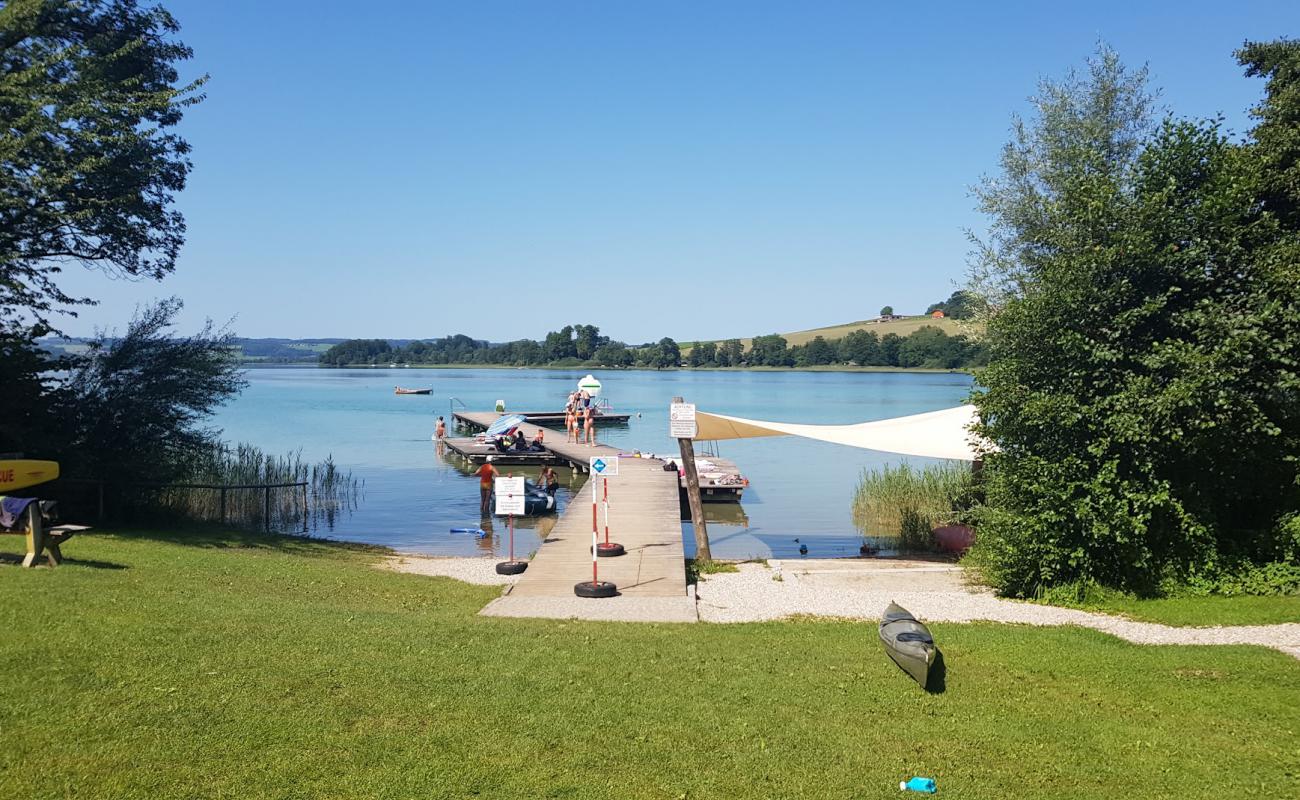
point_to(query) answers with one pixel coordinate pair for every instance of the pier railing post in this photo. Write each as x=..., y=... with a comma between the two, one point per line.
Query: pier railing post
x=702, y=551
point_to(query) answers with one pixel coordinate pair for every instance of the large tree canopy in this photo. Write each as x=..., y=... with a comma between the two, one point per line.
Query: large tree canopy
x=1143, y=388
x=88, y=166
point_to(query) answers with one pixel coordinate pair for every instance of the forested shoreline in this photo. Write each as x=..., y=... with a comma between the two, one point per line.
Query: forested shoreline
x=583, y=345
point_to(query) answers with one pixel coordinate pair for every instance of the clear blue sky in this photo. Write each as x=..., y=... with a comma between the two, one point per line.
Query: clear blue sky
x=692, y=169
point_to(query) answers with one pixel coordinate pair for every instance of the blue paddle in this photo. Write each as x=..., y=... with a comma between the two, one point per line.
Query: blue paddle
x=478, y=532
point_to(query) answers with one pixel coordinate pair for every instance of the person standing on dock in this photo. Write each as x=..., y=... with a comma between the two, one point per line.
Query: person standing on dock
x=590, y=424
x=486, y=475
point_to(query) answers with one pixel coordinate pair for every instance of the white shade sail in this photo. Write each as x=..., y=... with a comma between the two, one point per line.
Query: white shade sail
x=935, y=434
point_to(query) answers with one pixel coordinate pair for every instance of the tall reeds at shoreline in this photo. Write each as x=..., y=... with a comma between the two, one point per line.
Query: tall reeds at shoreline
x=899, y=507
x=328, y=493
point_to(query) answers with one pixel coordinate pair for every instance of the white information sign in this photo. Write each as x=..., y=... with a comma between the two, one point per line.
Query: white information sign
x=510, y=496
x=681, y=421
x=604, y=466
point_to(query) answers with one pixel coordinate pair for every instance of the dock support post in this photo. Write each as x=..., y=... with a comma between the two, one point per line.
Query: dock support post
x=702, y=551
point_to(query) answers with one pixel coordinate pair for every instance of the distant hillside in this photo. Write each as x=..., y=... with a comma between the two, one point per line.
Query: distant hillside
x=902, y=326
x=271, y=350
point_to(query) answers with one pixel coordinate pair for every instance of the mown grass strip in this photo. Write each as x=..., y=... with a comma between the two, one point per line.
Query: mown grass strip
x=215, y=665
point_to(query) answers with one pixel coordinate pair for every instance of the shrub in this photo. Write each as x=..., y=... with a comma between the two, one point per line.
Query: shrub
x=906, y=503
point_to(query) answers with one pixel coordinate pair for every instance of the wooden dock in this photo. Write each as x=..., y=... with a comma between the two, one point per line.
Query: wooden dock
x=644, y=516
x=549, y=419
x=720, y=479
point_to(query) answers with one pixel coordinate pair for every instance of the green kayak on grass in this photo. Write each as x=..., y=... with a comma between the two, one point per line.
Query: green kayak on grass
x=908, y=643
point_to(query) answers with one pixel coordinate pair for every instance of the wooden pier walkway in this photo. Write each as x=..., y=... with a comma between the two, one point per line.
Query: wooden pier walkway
x=720, y=478
x=644, y=517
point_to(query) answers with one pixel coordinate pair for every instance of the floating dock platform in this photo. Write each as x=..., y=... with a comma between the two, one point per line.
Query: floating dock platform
x=548, y=419
x=720, y=478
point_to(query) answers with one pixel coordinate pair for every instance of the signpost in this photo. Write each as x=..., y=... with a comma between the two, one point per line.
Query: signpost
x=682, y=427
x=602, y=468
x=605, y=467
x=681, y=420
x=510, y=501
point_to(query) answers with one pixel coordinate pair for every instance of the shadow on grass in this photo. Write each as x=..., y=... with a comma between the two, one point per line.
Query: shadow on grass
x=16, y=559
x=220, y=537
x=937, y=681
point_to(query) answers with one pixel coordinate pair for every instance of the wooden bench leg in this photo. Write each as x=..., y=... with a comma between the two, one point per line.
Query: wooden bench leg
x=36, y=540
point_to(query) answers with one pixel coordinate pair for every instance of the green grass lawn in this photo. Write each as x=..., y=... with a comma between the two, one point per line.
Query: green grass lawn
x=215, y=665
x=1202, y=611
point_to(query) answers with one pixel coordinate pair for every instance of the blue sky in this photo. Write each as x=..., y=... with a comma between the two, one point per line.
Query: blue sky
x=691, y=169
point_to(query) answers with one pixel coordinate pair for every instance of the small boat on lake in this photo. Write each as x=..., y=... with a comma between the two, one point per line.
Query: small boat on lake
x=400, y=390
x=908, y=643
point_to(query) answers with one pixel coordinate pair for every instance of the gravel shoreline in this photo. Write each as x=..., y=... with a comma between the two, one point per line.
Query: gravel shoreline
x=860, y=589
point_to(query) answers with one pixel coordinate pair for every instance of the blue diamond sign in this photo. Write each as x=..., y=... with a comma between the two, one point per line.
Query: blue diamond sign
x=605, y=466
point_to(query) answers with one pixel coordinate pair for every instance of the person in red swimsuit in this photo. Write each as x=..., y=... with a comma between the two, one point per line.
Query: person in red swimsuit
x=486, y=474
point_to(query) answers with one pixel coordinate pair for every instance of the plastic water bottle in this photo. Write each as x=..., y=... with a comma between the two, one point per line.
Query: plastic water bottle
x=925, y=785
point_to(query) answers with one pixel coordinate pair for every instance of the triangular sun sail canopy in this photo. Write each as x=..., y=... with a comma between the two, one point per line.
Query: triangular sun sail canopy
x=935, y=434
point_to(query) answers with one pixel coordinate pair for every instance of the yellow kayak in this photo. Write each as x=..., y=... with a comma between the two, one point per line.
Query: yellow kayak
x=23, y=473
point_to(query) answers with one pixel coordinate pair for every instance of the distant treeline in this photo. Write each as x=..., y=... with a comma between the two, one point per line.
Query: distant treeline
x=579, y=345
x=927, y=347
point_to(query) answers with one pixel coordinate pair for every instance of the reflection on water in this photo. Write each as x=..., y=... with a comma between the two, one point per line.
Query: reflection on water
x=799, y=489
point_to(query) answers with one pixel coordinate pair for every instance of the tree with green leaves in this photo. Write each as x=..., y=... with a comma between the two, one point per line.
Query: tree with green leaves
x=90, y=165
x=890, y=344
x=559, y=344
x=887, y=311
x=586, y=339
x=731, y=353
x=769, y=351
x=1143, y=388
x=134, y=406
x=89, y=162
x=959, y=305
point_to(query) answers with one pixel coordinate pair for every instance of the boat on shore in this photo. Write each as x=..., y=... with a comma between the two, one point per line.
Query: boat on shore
x=908, y=642
x=400, y=390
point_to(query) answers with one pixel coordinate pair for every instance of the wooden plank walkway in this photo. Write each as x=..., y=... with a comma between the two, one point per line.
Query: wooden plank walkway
x=720, y=478
x=644, y=517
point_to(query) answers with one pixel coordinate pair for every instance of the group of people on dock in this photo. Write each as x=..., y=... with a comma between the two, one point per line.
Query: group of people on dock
x=579, y=418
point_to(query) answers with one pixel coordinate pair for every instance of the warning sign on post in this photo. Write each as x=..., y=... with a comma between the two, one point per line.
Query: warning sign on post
x=510, y=496
x=604, y=466
x=681, y=421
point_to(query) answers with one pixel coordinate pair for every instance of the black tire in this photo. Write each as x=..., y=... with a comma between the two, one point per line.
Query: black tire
x=589, y=589
x=609, y=550
x=511, y=567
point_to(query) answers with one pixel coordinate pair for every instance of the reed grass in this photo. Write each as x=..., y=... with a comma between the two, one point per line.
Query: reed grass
x=898, y=507
x=330, y=492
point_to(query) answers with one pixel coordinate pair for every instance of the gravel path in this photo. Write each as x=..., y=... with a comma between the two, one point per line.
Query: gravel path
x=848, y=588
x=481, y=571
x=934, y=593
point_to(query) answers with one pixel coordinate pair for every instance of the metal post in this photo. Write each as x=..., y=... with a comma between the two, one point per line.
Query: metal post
x=687, y=446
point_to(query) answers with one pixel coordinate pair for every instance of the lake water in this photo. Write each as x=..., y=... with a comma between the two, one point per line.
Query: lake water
x=799, y=488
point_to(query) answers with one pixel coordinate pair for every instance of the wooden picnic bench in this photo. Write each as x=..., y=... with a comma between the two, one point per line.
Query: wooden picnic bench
x=42, y=540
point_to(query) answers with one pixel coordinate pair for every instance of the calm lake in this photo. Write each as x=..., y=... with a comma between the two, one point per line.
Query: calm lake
x=799, y=489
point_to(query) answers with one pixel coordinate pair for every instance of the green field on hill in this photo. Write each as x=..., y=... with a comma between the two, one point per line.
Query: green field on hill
x=902, y=327
x=213, y=664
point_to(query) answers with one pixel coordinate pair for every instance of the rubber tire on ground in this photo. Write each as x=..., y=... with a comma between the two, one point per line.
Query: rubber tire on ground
x=589, y=589
x=609, y=550
x=511, y=567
